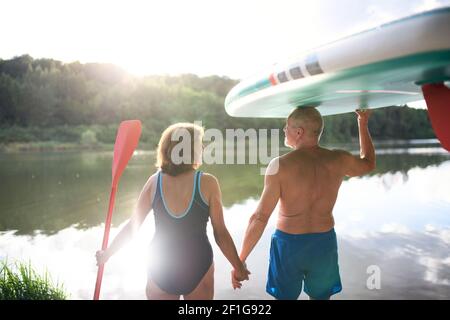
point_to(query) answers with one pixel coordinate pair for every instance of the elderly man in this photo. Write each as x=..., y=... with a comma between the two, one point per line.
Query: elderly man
x=306, y=181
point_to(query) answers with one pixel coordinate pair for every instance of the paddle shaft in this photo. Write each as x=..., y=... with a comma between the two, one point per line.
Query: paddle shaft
x=101, y=267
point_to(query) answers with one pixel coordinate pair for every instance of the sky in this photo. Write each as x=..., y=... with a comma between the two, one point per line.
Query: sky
x=231, y=38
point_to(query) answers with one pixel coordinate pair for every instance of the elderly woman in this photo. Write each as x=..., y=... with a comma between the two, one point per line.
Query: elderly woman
x=183, y=199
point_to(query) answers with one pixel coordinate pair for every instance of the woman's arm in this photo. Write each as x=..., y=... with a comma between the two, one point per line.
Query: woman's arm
x=221, y=234
x=143, y=206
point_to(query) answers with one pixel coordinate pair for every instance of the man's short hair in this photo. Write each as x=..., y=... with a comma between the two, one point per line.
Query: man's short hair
x=309, y=118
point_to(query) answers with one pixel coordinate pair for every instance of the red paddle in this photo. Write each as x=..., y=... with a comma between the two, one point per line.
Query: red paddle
x=126, y=142
x=437, y=97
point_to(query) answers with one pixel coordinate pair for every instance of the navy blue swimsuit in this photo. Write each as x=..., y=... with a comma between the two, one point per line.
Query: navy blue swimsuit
x=185, y=253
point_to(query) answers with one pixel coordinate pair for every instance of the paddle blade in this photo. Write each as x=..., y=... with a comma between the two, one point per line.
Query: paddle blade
x=437, y=97
x=127, y=140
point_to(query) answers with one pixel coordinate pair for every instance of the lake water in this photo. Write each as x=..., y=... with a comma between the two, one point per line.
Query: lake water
x=53, y=205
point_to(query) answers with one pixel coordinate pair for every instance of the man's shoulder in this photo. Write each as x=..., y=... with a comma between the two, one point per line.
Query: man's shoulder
x=283, y=160
x=295, y=155
x=287, y=160
x=339, y=152
x=288, y=156
x=325, y=154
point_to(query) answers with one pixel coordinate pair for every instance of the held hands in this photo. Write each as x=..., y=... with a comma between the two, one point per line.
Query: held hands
x=363, y=115
x=238, y=275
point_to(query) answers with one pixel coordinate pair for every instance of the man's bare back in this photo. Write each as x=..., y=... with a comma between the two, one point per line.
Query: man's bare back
x=310, y=179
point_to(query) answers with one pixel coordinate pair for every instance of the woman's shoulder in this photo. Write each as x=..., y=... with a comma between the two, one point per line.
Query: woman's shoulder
x=209, y=186
x=208, y=178
x=209, y=183
x=151, y=182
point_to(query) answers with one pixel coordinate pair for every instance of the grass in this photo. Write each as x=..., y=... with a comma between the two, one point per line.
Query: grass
x=19, y=281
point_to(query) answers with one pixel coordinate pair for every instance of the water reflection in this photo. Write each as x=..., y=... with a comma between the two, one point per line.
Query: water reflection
x=400, y=224
x=52, y=191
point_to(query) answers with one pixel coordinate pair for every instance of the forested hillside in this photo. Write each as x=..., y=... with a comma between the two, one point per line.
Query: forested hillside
x=47, y=100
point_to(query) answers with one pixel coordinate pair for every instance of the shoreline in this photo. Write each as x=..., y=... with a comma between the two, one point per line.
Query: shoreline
x=55, y=146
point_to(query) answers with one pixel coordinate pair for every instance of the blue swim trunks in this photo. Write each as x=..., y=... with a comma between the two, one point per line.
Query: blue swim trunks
x=310, y=258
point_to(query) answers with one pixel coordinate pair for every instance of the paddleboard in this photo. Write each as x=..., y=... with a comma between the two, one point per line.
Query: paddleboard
x=380, y=67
